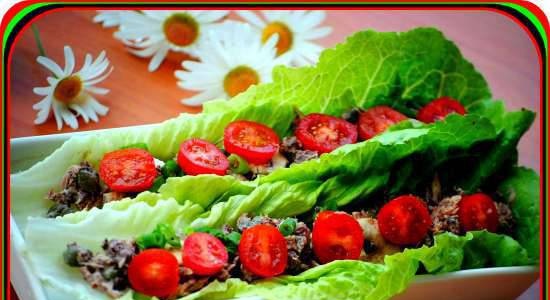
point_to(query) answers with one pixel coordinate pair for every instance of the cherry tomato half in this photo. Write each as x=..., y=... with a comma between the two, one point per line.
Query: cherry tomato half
x=405, y=220
x=263, y=250
x=376, y=120
x=324, y=133
x=204, y=254
x=154, y=272
x=252, y=141
x=336, y=235
x=128, y=170
x=198, y=156
x=477, y=212
x=439, y=108
x=324, y=214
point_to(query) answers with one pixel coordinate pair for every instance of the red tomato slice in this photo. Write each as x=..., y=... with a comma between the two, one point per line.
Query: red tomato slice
x=439, y=108
x=324, y=214
x=154, y=272
x=263, y=250
x=198, y=156
x=404, y=220
x=324, y=133
x=252, y=141
x=128, y=170
x=204, y=254
x=336, y=235
x=376, y=120
x=477, y=212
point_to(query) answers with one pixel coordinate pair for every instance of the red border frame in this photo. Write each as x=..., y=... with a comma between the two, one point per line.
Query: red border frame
x=534, y=9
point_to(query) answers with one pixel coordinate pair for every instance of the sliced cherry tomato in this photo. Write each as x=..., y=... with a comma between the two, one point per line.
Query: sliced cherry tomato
x=324, y=214
x=198, y=156
x=439, y=108
x=376, y=120
x=128, y=170
x=477, y=212
x=404, y=220
x=154, y=272
x=204, y=254
x=263, y=250
x=336, y=235
x=252, y=141
x=324, y=133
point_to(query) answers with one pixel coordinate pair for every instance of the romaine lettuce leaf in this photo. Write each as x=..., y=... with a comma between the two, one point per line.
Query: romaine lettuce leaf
x=205, y=190
x=46, y=239
x=30, y=187
x=404, y=70
x=521, y=188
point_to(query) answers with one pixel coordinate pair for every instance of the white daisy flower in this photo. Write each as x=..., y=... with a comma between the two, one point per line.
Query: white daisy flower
x=296, y=30
x=109, y=18
x=68, y=93
x=155, y=32
x=232, y=59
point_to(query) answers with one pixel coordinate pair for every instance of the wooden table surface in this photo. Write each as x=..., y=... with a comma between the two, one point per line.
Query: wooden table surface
x=497, y=46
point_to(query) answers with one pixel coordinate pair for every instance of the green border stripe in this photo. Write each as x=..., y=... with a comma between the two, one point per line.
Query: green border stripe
x=20, y=15
x=536, y=22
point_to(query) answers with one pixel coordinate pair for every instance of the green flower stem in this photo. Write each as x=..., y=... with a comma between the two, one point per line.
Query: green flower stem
x=38, y=40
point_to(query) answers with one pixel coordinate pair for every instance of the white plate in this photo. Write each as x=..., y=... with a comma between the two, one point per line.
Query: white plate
x=480, y=284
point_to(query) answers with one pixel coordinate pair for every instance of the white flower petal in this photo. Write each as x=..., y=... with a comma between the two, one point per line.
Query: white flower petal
x=87, y=63
x=80, y=112
x=43, y=91
x=275, y=15
x=96, y=90
x=211, y=16
x=203, y=97
x=99, y=108
x=158, y=58
x=109, y=18
x=98, y=79
x=251, y=17
x=52, y=81
x=69, y=60
x=50, y=65
x=44, y=110
x=57, y=114
x=312, y=19
x=94, y=70
x=68, y=117
x=89, y=110
x=147, y=52
x=317, y=33
x=42, y=103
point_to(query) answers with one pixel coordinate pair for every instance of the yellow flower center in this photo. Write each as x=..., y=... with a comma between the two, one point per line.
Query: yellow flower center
x=285, y=36
x=67, y=89
x=181, y=29
x=239, y=79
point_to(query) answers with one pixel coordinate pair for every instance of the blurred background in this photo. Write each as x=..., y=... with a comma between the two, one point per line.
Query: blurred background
x=498, y=47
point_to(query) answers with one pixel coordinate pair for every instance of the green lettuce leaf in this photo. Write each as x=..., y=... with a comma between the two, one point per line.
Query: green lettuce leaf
x=404, y=70
x=521, y=188
x=205, y=190
x=46, y=239
x=29, y=188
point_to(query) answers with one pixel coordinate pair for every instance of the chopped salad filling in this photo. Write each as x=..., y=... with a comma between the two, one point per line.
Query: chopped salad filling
x=252, y=249
x=250, y=150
